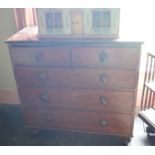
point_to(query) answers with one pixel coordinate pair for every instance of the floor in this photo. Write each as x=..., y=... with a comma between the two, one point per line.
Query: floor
x=13, y=133
x=140, y=137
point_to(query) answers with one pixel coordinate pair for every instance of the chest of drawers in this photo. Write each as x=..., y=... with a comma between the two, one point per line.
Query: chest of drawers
x=76, y=84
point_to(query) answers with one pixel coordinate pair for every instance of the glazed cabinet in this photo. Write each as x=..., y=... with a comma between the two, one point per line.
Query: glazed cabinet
x=103, y=23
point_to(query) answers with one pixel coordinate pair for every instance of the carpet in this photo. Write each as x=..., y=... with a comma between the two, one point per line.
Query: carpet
x=13, y=133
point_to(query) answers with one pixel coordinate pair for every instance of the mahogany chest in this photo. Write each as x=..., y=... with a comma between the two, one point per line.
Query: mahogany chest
x=76, y=84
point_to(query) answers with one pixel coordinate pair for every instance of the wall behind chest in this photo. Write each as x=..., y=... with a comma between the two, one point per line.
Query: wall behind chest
x=7, y=82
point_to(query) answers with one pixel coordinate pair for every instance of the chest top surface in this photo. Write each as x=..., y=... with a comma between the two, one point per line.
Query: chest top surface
x=29, y=36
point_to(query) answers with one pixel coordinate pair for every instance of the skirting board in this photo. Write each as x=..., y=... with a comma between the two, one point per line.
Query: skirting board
x=9, y=97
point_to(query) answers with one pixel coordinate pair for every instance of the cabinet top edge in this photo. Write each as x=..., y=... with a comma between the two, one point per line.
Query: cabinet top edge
x=30, y=35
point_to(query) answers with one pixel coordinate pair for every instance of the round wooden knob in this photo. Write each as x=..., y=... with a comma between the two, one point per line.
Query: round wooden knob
x=103, y=56
x=44, y=97
x=103, y=100
x=42, y=76
x=39, y=56
x=103, y=78
x=48, y=117
x=103, y=123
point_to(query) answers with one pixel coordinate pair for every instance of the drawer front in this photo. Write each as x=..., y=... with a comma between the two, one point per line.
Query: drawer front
x=40, y=56
x=106, y=57
x=79, y=120
x=77, y=98
x=100, y=78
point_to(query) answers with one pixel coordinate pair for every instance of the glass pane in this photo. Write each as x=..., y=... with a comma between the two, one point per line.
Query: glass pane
x=96, y=19
x=49, y=20
x=106, y=19
x=58, y=20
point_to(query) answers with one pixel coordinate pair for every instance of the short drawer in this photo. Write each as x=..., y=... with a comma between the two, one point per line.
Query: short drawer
x=106, y=57
x=100, y=78
x=79, y=120
x=87, y=99
x=39, y=56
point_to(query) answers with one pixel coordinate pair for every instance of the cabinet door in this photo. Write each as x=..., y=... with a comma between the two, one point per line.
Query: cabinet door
x=54, y=21
x=76, y=22
x=101, y=21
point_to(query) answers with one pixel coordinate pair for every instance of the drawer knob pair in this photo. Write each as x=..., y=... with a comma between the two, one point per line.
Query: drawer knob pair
x=103, y=56
x=39, y=56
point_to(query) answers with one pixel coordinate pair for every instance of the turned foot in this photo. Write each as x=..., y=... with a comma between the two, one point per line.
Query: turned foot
x=34, y=131
x=126, y=141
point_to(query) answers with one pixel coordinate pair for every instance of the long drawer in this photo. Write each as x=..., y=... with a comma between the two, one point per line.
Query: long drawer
x=40, y=56
x=107, y=57
x=77, y=77
x=79, y=120
x=77, y=98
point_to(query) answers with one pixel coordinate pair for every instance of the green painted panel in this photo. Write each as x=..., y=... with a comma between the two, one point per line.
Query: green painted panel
x=114, y=20
x=66, y=29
